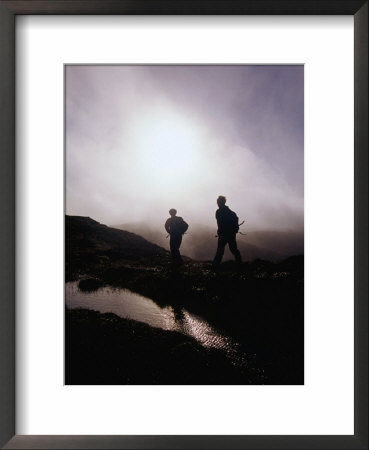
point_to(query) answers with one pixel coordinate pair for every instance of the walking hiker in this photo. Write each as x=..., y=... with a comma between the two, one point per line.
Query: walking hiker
x=228, y=227
x=175, y=227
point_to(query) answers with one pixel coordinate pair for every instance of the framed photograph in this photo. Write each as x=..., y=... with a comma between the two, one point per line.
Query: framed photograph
x=184, y=225
x=211, y=282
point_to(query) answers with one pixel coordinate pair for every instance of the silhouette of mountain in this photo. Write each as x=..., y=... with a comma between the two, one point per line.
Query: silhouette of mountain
x=287, y=243
x=88, y=242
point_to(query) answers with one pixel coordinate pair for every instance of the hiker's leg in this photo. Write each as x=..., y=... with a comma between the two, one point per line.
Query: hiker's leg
x=233, y=248
x=220, y=250
x=175, y=243
x=179, y=242
x=173, y=247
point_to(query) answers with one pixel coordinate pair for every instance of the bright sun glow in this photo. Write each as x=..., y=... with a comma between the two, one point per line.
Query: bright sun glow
x=169, y=152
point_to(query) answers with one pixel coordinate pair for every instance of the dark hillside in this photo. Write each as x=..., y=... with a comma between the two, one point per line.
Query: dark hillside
x=89, y=243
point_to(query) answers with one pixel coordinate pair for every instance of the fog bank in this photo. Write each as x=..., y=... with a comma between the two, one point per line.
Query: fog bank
x=143, y=139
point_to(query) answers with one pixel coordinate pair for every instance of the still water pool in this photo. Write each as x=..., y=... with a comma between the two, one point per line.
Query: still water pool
x=130, y=305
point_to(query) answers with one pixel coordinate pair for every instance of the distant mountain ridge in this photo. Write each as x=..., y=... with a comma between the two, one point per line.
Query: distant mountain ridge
x=200, y=242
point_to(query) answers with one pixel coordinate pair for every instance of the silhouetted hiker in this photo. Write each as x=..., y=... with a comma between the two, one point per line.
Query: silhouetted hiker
x=176, y=227
x=227, y=221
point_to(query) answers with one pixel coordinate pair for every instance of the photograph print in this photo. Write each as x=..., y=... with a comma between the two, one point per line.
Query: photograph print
x=184, y=224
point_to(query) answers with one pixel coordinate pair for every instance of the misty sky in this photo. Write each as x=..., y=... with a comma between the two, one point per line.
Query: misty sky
x=143, y=139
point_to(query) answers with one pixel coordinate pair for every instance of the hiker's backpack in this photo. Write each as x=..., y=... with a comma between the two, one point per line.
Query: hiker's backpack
x=228, y=221
x=178, y=225
x=233, y=222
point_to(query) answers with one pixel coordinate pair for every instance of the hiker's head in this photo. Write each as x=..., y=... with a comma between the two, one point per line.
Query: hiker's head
x=172, y=212
x=221, y=200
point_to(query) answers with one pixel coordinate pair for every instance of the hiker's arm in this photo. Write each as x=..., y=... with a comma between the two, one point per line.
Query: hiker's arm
x=217, y=219
x=167, y=227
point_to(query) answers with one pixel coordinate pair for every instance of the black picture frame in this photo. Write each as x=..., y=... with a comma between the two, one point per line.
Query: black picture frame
x=8, y=12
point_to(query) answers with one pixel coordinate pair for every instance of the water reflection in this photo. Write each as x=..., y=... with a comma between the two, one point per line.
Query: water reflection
x=130, y=305
x=192, y=325
x=121, y=302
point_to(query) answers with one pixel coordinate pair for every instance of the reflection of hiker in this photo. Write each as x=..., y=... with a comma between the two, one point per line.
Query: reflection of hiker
x=176, y=227
x=227, y=229
x=179, y=316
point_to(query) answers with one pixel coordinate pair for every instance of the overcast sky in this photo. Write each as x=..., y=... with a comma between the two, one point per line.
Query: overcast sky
x=143, y=139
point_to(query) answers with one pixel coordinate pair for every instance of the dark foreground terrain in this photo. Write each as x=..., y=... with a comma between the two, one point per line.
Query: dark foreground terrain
x=259, y=304
x=106, y=349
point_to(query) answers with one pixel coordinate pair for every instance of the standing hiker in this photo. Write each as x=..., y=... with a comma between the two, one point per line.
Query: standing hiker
x=228, y=227
x=175, y=227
